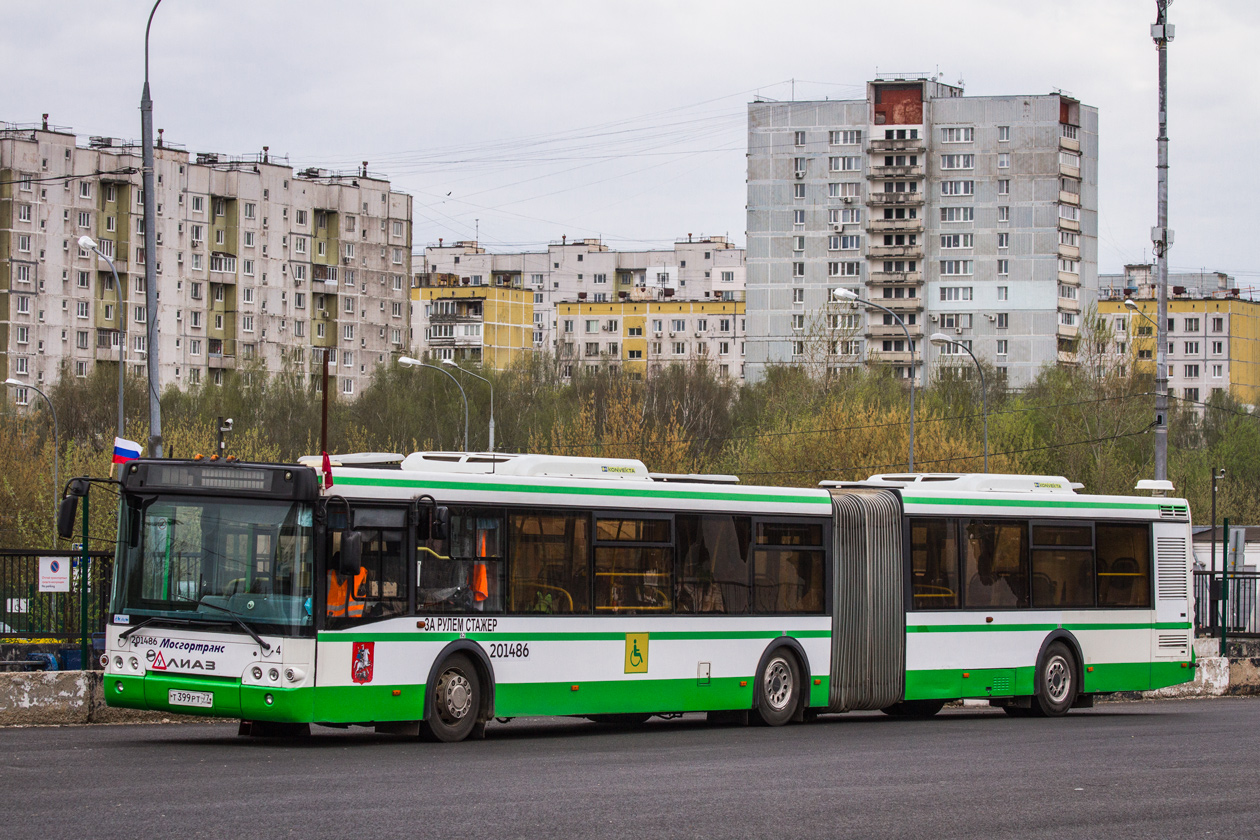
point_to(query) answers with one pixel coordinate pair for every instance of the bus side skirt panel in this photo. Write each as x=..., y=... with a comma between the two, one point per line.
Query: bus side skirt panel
x=868, y=648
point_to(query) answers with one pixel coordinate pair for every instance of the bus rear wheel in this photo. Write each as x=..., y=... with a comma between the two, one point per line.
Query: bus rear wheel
x=778, y=689
x=455, y=701
x=917, y=709
x=1056, y=682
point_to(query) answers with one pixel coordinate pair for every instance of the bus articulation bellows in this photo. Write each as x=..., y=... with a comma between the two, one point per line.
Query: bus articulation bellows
x=432, y=593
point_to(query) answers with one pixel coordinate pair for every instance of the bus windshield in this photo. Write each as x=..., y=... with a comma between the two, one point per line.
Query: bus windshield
x=210, y=559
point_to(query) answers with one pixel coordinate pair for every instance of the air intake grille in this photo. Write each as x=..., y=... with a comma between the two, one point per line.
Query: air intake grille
x=1171, y=567
x=1172, y=641
x=1174, y=512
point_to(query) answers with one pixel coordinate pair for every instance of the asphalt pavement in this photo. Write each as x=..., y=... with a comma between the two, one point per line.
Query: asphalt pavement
x=1120, y=770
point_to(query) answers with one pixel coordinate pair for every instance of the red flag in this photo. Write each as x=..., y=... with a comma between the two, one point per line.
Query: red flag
x=328, y=482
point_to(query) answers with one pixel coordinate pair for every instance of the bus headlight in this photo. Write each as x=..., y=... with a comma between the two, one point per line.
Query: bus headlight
x=135, y=664
x=294, y=674
x=118, y=662
x=257, y=673
x=273, y=675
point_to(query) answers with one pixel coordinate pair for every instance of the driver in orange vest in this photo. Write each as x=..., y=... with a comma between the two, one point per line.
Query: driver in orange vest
x=346, y=598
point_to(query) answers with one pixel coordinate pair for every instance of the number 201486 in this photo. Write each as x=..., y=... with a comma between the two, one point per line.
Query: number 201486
x=500, y=650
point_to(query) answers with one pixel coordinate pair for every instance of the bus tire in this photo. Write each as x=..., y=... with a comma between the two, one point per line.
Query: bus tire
x=455, y=702
x=914, y=709
x=1057, y=687
x=779, y=688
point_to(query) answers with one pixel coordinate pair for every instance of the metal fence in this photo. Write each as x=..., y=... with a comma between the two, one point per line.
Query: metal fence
x=27, y=613
x=1242, y=612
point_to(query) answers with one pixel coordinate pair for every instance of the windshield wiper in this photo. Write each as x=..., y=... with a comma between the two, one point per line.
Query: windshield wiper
x=202, y=602
x=133, y=628
x=253, y=635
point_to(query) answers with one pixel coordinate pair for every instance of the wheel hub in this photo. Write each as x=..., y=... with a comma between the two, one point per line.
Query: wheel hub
x=456, y=694
x=778, y=685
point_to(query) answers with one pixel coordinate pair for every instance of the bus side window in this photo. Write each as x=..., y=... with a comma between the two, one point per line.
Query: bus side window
x=1124, y=565
x=634, y=566
x=712, y=564
x=788, y=574
x=934, y=564
x=996, y=563
x=1062, y=565
x=464, y=573
x=550, y=567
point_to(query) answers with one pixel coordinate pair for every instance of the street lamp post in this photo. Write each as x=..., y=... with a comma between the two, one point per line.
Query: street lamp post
x=410, y=362
x=941, y=340
x=488, y=382
x=13, y=383
x=90, y=244
x=845, y=294
x=1161, y=33
x=150, y=251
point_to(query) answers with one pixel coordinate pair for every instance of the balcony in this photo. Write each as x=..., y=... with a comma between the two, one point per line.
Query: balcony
x=894, y=225
x=898, y=278
x=222, y=362
x=1069, y=252
x=1070, y=144
x=895, y=199
x=900, y=305
x=1069, y=198
x=876, y=173
x=1070, y=171
x=875, y=252
x=890, y=357
x=1069, y=224
x=1069, y=305
x=1067, y=332
x=916, y=145
x=893, y=331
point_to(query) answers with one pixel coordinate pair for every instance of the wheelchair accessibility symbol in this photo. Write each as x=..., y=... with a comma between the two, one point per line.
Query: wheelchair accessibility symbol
x=636, y=653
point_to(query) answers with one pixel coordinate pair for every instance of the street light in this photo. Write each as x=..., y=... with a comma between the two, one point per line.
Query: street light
x=89, y=244
x=1131, y=305
x=13, y=383
x=488, y=382
x=941, y=340
x=410, y=362
x=845, y=294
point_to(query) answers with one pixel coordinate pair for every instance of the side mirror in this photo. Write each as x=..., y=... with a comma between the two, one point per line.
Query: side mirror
x=351, y=559
x=440, y=529
x=65, y=517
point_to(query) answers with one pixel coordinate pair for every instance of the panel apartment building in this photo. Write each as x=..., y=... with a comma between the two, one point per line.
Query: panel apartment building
x=256, y=264
x=582, y=275
x=975, y=216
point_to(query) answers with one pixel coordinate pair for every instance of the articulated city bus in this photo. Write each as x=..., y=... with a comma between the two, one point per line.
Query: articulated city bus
x=429, y=594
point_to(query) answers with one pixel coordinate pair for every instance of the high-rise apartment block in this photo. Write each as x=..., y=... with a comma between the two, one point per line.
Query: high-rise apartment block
x=585, y=273
x=975, y=216
x=256, y=263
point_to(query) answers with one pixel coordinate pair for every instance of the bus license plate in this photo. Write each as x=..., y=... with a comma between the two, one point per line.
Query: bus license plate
x=204, y=699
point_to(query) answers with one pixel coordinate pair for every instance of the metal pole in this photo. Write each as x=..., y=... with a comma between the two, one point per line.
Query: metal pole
x=461, y=393
x=150, y=252
x=1162, y=33
x=83, y=578
x=323, y=422
x=910, y=347
x=491, y=384
x=1224, y=585
x=1212, y=588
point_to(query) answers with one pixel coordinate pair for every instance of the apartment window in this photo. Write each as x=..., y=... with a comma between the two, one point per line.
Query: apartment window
x=958, y=161
x=1004, y=134
x=1004, y=268
x=299, y=244
x=1069, y=159
x=798, y=217
x=1004, y=240
x=1068, y=292
x=23, y=305
x=728, y=277
x=1004, y=160
x=1070, y=266
x=1218, y=371
x=845, y=190
x=1218, y=324
x=955, y=293
x=1004, y=186
x=194, y=347
x=678, y=325
x=81, y=309
x=1218, y=347
x=85, y=189
x=798, y=165
x=958, y=135
x=958, y=187
x=397, y=228
x=1003, y=346
x=845, y=163
x=850, y=243
x=1003, y=321
x=798, y=296
x=800, y=138
x=398, y=257
x=1067, y=237
x=1067, y=319
x=1004, y=213
x=798, y=269
x=81, y=340
x=23, y=335
x=1191, y=348
x=951, y=267
x=1191, y=371
x=195, y=318
x=957, y=240
x=347, y=332
x=1003, y=292
x=1066, y=211
x=798, y=322
x=1192, y=324
x=958, y=214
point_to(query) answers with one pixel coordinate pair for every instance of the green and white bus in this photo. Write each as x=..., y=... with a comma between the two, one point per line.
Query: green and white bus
x=432, y=593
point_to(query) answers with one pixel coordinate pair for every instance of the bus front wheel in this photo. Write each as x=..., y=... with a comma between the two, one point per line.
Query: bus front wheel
x=455, y=701
x=1056, y=682
x=778, y=688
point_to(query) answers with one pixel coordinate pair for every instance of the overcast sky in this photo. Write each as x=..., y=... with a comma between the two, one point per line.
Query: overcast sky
x=627, y=120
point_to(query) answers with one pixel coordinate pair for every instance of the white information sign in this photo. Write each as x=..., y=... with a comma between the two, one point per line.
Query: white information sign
x=54, y=574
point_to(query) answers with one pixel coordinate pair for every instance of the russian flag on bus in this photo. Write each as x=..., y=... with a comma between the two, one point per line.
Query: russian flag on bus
x=125, y=450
